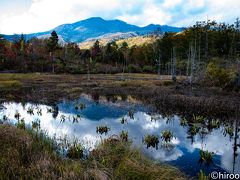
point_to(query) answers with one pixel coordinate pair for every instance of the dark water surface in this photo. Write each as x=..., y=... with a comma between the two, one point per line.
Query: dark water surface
x=182, y=151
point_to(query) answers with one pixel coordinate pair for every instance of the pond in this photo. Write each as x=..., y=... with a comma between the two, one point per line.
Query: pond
x=79, y=120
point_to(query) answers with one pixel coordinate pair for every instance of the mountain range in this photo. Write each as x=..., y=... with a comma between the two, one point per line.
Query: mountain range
x=95, y=28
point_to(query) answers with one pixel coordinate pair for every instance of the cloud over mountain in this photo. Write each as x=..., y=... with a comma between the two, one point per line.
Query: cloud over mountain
x=27, y=16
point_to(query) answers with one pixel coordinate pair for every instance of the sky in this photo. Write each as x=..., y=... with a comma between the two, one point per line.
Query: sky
x=29, y=16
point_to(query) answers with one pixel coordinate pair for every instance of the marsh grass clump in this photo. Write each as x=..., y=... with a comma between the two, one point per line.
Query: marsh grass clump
x=75, y=151
x=167, y=136
x=124, y=136
x=193, y=130
x=55, y=111
x=21, y=124
x=80, y=106
x=36, y=124
x=62, y=118
x=183, y=122
x=5, y=118
x=30, y=111
x=199, y=119
x=131, y=114
x=102, y=129
x=17, y=115
x=76, y=118
x=202, y=176
x=155, y=117
x=123, y=120
x=49, y=110
x=151, y=141
x=39, y=112
x=228, y=130
x=214, y=124
x=206, y=157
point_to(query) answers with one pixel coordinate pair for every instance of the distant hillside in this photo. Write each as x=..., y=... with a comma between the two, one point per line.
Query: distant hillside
x=96, y=27
x=134, y=40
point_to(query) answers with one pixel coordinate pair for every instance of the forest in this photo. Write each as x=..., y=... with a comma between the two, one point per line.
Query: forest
x=207, y=49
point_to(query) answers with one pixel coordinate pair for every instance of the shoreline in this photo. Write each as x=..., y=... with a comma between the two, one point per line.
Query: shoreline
x=164, y=95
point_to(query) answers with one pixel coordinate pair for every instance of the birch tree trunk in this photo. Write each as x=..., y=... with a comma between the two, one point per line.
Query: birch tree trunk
x=174, y=65
x=193, y=54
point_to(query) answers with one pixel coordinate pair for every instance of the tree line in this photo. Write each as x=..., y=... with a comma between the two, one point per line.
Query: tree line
x=191, y=52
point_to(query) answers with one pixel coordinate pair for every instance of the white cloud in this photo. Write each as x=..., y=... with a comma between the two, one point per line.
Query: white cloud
x=42, y=15
x=172, y=3
x=46, y=14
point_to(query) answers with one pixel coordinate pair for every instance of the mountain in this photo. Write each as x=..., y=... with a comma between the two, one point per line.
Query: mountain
x=95, y=27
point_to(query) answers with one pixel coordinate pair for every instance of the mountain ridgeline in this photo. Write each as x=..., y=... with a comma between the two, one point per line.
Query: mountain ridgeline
x=95, y=27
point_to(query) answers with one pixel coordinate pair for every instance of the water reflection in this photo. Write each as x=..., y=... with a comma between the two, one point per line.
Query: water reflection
x=134, y=121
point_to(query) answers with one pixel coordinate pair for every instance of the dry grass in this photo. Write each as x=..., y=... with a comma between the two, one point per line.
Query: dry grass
x=7, y=77
x=24, y=155
x=10, y=84
x=127, y=163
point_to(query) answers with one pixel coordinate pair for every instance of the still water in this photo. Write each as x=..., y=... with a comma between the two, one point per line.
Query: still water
x=67, y=120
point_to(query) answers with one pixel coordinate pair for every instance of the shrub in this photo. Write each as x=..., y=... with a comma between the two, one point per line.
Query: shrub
x=133, y=68
x=148, y=69
x=217, y=76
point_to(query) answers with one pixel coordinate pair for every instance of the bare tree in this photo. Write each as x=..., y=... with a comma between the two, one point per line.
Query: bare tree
x=188, y=62
x=174, y=64
x=159, y=65
x=157, y=58
x=206, y=43
x=193, y=57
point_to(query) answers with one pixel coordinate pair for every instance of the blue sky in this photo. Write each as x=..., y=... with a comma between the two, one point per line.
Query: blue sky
x=28, y=16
